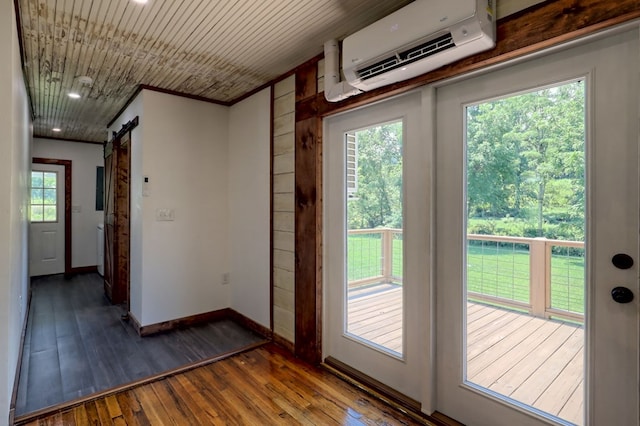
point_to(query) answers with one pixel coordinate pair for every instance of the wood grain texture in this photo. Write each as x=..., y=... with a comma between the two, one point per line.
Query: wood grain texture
x=306, y=81
x=534, y=29
x=76, y=344
x=308, y=296
x=263, y=386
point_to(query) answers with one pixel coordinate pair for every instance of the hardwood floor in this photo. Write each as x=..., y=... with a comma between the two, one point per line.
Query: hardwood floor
x=76, y=344
x=532, y=360
x=264, y=386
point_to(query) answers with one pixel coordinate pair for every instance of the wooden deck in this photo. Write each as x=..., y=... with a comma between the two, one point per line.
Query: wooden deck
x=532, y=360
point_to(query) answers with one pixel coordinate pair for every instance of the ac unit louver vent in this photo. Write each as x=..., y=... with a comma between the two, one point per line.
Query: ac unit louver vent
x=404, y=58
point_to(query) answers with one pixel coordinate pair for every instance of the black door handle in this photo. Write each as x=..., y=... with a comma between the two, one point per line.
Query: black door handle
x=622, y=295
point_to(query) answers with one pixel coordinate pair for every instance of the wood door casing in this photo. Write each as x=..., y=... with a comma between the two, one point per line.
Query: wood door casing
x=116, y=227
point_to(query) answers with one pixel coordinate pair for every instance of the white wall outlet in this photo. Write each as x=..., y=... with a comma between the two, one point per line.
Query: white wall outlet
x=226, y=277
x=163, y=215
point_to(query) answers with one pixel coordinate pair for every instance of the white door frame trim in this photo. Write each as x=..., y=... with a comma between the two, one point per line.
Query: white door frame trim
x=67, y=206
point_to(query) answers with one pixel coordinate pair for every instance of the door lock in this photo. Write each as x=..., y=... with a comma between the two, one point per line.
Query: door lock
x=622, y=295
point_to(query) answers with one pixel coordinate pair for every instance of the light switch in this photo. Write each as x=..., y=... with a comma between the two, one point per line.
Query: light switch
x=76, y=209
x=145, y=186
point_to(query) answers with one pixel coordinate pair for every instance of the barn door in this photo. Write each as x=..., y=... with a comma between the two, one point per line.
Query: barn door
x=116, y=274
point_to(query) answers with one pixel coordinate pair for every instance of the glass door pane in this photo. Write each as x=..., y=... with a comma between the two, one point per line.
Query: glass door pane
x=525, y=256
x=374, y=255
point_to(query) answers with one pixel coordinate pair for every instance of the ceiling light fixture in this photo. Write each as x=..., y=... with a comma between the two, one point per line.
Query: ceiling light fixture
x=56, y=129
x=140, y=1
x=74, y=95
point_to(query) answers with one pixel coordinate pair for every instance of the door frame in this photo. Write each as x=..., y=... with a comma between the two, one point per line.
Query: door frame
x=67, y=206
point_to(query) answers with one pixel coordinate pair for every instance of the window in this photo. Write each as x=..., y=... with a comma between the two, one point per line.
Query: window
x=44, y=196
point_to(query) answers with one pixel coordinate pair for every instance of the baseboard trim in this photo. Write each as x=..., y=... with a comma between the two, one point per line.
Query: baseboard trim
x=250, y=324
x=221, y=314
x=16, y=380
x=284, y=343
x=161, y=327
x=390, y=396
x=84, y=270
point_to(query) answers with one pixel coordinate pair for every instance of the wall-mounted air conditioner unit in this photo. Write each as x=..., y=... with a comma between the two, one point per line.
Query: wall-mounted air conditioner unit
x=418, y=38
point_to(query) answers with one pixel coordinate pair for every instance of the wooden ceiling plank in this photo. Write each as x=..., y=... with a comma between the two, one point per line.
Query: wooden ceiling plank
x=220, y=63
x=61, y=106
x=158, y=46
x=168, y=80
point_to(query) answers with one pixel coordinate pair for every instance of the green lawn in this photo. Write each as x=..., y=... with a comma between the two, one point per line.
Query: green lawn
x=491, y=269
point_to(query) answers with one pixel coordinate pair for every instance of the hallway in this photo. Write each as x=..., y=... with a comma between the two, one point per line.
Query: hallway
x=76, y=344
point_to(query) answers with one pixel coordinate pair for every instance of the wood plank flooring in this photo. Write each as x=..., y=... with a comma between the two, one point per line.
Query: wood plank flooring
x=535, y=361
x=265, y=386
x=76, y=344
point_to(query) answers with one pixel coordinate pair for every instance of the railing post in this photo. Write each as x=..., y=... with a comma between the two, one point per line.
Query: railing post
x=387, y=250
x=538, y=276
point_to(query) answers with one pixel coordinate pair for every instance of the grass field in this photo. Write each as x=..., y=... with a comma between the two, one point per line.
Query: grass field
x=492, y=269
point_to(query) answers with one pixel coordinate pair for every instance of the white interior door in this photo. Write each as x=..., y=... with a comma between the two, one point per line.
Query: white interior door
x=597, y=384
x=375, y=242
x=47, y=233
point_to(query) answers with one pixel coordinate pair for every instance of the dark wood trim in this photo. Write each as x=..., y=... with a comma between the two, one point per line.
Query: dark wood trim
x=221, y=314
x=134, y=322
x=126, y=105
x=67, y=140
x=184, y=95
x=16, y=6
x=388, y=395
x=67, y=206
x=283, y=343
x=16, y=379
x=379, y=387
x=271, y=232
x=34, y=416
x=308, y=215
x=84, y=269
x=147, y=330
x=250, y=324
x=276, y=80
x=537, y=28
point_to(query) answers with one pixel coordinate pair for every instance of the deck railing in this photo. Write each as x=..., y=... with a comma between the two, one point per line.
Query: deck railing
x=541, y=276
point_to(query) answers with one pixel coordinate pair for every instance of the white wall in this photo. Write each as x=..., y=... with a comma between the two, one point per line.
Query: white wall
x=182, y=149
x=249, y=222
x=84, y=160
x=14, y=179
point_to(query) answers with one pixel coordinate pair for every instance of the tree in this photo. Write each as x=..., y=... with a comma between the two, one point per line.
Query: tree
x=378, y=201
x=520, y=147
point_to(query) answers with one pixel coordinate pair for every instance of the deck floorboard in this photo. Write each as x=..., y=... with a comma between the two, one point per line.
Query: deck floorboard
x=536, y=361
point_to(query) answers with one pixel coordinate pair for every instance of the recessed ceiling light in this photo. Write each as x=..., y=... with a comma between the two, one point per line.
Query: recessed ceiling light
x=56, y=129
x=73, y=95
x=140, y=1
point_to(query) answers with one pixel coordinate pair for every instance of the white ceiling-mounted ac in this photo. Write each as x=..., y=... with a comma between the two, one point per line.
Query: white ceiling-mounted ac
x=418, y=38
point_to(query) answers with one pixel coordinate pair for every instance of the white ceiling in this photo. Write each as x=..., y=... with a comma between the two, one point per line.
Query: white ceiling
x=219, y=50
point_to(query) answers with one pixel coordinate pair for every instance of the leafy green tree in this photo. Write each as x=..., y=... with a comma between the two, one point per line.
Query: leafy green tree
x=378, y=200
x=518, y=150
